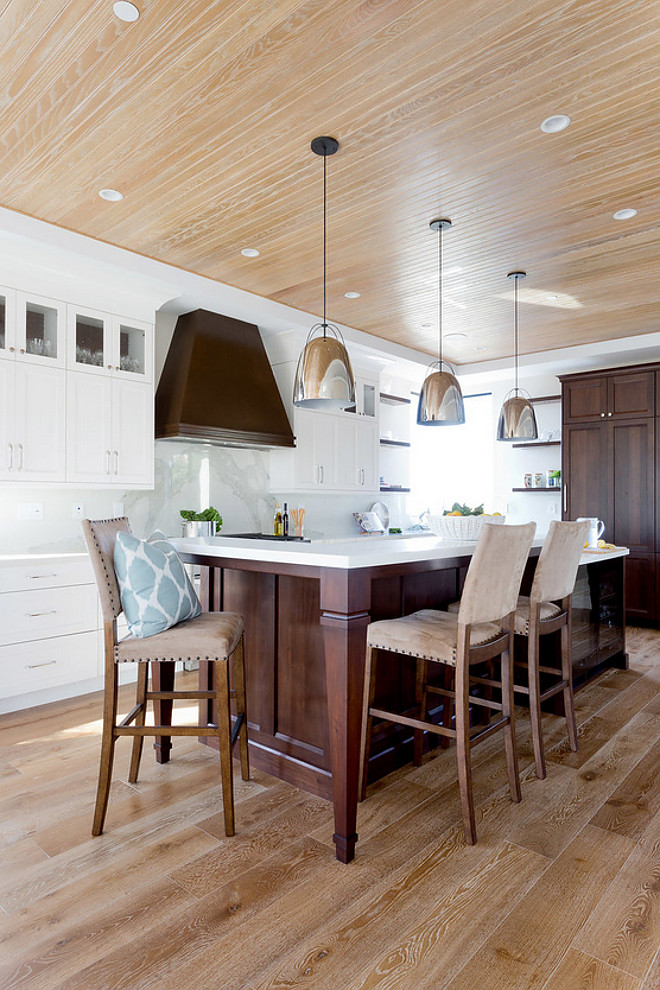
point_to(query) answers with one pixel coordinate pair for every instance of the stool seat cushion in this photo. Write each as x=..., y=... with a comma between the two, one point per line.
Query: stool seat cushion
x=209, y=636
x=521, y=623
x=428, y=634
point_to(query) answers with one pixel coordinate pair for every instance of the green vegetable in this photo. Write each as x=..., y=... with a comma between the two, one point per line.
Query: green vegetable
x=206, y=515
x=465, y=510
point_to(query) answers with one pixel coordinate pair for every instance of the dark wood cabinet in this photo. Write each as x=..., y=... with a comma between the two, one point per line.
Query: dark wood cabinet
x=610, y=459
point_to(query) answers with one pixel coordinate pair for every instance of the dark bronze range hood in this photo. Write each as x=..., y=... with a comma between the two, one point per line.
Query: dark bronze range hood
x=217, y=386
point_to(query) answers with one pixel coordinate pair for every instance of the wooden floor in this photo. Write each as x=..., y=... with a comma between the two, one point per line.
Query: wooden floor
x=561, y=892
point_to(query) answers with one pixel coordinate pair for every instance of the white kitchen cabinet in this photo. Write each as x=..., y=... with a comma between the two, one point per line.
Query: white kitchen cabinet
x=109, y=435
x=7, y=323
x=104, y=345
x=314, y=458
x=32, y=329
x=50, y=630
x=32, y=422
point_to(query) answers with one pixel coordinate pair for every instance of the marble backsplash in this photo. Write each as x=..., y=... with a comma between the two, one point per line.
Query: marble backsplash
x=187, y=476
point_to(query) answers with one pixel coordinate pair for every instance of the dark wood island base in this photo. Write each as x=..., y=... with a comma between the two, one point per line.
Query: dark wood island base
x=305, y=649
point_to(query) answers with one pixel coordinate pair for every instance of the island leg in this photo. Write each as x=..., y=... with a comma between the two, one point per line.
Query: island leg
x=344, y=641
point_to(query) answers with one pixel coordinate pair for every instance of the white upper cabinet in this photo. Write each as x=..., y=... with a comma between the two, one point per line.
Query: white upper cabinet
x=8, y=343
x=110, y=345
x=32, y=423
x=132, y=434
x=32, y=328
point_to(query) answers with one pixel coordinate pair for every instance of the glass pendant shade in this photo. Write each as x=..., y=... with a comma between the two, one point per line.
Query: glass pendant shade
x=324, y=377
x=441, y=399
x=517, y=419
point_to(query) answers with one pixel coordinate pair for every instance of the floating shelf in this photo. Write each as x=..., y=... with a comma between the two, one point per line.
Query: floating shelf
x=539, y=443
x=546, y=398
x=386, y=442
x=556, y=490
x=393, y=488
x=393, y=400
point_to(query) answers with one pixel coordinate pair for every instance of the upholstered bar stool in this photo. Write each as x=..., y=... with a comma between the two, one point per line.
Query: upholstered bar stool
x=481, y=631
x=548, y=609
x=216, y=636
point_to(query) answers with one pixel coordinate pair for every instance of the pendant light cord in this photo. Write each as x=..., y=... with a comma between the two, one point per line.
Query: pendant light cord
x=440, y=300
x=516, y=280
x=325, y=234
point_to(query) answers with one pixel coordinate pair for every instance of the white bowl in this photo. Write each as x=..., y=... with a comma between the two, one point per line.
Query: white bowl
x=463, y=528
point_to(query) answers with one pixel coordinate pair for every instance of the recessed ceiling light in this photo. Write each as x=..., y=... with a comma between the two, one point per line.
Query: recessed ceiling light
x=552, y=298
x=110, y=195
x=624, y=214
x=351, y=295
x=557, y=122
x=456, y=336
x=250, y=252
x=126, y=11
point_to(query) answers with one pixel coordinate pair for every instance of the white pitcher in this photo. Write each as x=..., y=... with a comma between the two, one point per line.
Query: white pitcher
x=596, y=529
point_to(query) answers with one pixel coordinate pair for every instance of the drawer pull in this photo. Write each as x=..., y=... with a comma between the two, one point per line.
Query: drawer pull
x=46, y=663
x=34, y=615
x=40, y=577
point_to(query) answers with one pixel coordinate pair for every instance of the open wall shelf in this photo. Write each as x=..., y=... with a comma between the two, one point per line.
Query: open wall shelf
x=538, y=443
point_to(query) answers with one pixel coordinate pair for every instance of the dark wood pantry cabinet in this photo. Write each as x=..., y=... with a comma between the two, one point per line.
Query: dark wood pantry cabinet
x=610, y=461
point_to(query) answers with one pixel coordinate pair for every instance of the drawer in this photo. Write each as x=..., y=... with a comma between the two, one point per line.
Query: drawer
x=48, y=612
x=48, y=663
x=45, y=572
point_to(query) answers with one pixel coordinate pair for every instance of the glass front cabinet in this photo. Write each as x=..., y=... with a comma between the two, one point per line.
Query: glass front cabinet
x=105, y=344
x=32, y=328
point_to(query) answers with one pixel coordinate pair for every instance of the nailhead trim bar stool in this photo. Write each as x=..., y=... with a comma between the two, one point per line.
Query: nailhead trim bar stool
x=547, y=610
x=481, y=631
x=216, y=636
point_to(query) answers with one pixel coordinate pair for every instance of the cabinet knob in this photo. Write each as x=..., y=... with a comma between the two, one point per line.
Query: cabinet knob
x=109, y=367
x=21, y=350
x=602, y=415
x=609, y=414
x=11, y=349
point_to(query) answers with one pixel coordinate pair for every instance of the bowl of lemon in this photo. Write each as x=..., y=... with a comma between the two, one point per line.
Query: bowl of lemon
x=462, y=523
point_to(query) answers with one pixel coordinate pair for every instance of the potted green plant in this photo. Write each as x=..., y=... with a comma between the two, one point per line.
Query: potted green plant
x=204, y=523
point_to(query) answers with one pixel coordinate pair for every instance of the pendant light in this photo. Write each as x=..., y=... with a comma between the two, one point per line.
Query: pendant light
x=517, y=420
x=324, y=377
x=441, y=399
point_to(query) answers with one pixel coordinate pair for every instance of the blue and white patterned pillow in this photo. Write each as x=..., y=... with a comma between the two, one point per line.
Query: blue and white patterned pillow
x=155, y=590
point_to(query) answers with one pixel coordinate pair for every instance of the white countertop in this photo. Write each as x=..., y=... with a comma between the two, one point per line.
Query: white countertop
x=367, y=551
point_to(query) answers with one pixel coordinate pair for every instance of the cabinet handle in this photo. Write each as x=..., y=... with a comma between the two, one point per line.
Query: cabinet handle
x=11, y=456
x=35, y=615
x=116, y=453
x=565, y=498
x=33, y=666
x=20, y=456
x=108, y=456
x=321, y=472
x=40, y=577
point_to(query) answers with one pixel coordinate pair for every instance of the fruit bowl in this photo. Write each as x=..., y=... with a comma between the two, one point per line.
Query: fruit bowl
x=466, y=529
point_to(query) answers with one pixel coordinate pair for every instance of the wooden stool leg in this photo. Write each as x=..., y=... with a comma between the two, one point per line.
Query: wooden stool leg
x=367, y=719
x=241, y=707
x=447, y=704
x=224, y=738
x=107, y=745
x=463, y=743
x=567, y=674
x=535, y=694
x=509, y=728
x=420, y=697
x=140, y=699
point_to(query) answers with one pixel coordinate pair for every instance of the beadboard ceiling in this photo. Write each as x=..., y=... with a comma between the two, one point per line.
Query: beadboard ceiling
x=201, y=114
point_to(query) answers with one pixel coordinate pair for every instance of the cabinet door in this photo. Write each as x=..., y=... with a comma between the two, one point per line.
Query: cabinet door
x=326, y=429
x=584, y=400
x=346, y=469
x=89, y=334
x=132, y=433
x=7, y=323
x=41, y=330
x=40, y=422
x=8, y=452
x=640, y=586
x=367, y=455
x=88, y=428
x=631, y=459
x=631, y=395
x=132, y=347
x=306, y=469
x=584, y=472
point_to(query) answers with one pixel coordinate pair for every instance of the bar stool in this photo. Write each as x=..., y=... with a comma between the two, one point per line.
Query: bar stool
x=548, y=609
x=481, y=631
x=216, y=636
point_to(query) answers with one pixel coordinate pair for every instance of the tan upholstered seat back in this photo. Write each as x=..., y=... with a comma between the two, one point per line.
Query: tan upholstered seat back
x=557, y=566
x=493, y=579
x=100, y=537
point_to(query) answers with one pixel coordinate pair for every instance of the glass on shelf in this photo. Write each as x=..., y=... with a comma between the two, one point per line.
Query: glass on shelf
x=41, y=330
x=89, y=341
x=131, y=349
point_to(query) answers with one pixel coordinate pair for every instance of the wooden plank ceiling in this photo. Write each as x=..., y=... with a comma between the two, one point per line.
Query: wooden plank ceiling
x=202, y=111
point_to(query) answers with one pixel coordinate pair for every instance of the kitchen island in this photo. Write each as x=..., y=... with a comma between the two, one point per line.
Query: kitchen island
x=306, y=609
